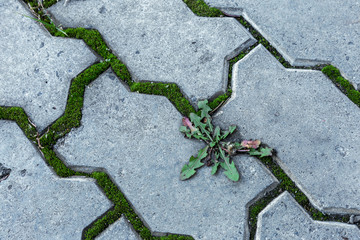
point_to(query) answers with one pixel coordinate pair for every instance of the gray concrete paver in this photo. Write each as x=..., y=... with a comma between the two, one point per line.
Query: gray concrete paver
x=34, y=202
x=285, y=219
x=136, y=139
x=307, y=32
x=120, y=230
x=311, y=124
x=35, y=68
x=163, y=41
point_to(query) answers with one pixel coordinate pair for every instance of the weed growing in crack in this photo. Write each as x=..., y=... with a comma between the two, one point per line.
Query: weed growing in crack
x=217, y=151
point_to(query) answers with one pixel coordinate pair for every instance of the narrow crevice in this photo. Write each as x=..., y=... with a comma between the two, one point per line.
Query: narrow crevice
x=286, y=184
x=72, y=117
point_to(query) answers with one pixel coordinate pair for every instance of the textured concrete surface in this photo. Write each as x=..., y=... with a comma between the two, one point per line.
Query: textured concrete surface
x=311, y=124
x=163, y=41
x=34, y=202
x=307, y=32
x=35, y=68
x=120, y=230
x=285, y=219
x=136, y=139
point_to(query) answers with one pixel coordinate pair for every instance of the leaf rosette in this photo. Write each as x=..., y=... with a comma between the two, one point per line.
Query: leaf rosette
x=217, y=152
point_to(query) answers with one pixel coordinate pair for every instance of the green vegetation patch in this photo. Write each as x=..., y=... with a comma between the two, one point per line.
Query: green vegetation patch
x=170, y=90
x=18, y=115
x=122, y=207
x=345, y=86
x=72, y=115
x=200, y=8
x=286, y=184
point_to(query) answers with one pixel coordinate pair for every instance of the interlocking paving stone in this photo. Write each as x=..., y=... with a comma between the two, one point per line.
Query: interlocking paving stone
x=136, y=139
x=311, y=124
x=307, y=32
x=285, y=219
x=34, y=202
x=120, y=230
x=163, y=41
x=35, y=68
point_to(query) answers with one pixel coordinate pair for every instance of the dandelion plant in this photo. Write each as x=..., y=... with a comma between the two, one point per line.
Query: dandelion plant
x=218, y=151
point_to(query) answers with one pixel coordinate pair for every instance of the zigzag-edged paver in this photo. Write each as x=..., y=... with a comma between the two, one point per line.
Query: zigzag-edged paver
x=136, y=139
x=311, y=124
x=35, y=68
x=307, y=32
x=163, y=41
x=120, y=230
x=285, y=219
x=34, y=202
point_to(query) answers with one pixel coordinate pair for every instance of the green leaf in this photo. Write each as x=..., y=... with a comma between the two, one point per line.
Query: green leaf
x=188, y=170
x=254, y=152
x=205, y=109
x=212, y=144
x=215, y=168
x=232, y=129
x=202, y=126
x=184, y=129
x=217, y=134
x=227, y=133
x=230, y=169
x=217, y=155
x=265, y=152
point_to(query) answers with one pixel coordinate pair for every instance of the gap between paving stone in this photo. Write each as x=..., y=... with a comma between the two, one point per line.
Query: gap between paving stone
x=192, y=52
x=33, y=178
x=329, y=41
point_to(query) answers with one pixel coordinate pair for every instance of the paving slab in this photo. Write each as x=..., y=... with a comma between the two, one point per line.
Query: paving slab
x=163, y=41
x=285, y=219
x=35, y=68
x=120, y=230
x=307, y=32
x=34, y=202
x=136, y=138
x=311, y=124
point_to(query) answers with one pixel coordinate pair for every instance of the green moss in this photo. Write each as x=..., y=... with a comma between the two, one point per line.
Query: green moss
x=58, y=166
x=263, y=41
x=122, y=207
x=345, y=86
x=220, y=99
x=200, y=8
x=170, y=90
x=18, y=115
x=72, y=115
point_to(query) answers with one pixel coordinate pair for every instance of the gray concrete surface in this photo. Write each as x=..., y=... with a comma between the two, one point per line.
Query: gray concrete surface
x=285, y=219
x=136, y=139
x=35, y=68
x=311, y=124
x=163, y=41
x=120, y=230
x=307, y=32
x=34, y=202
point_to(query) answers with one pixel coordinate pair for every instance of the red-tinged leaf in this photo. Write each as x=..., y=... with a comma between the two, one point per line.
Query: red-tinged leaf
x=188, y=124
x=251, y=144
